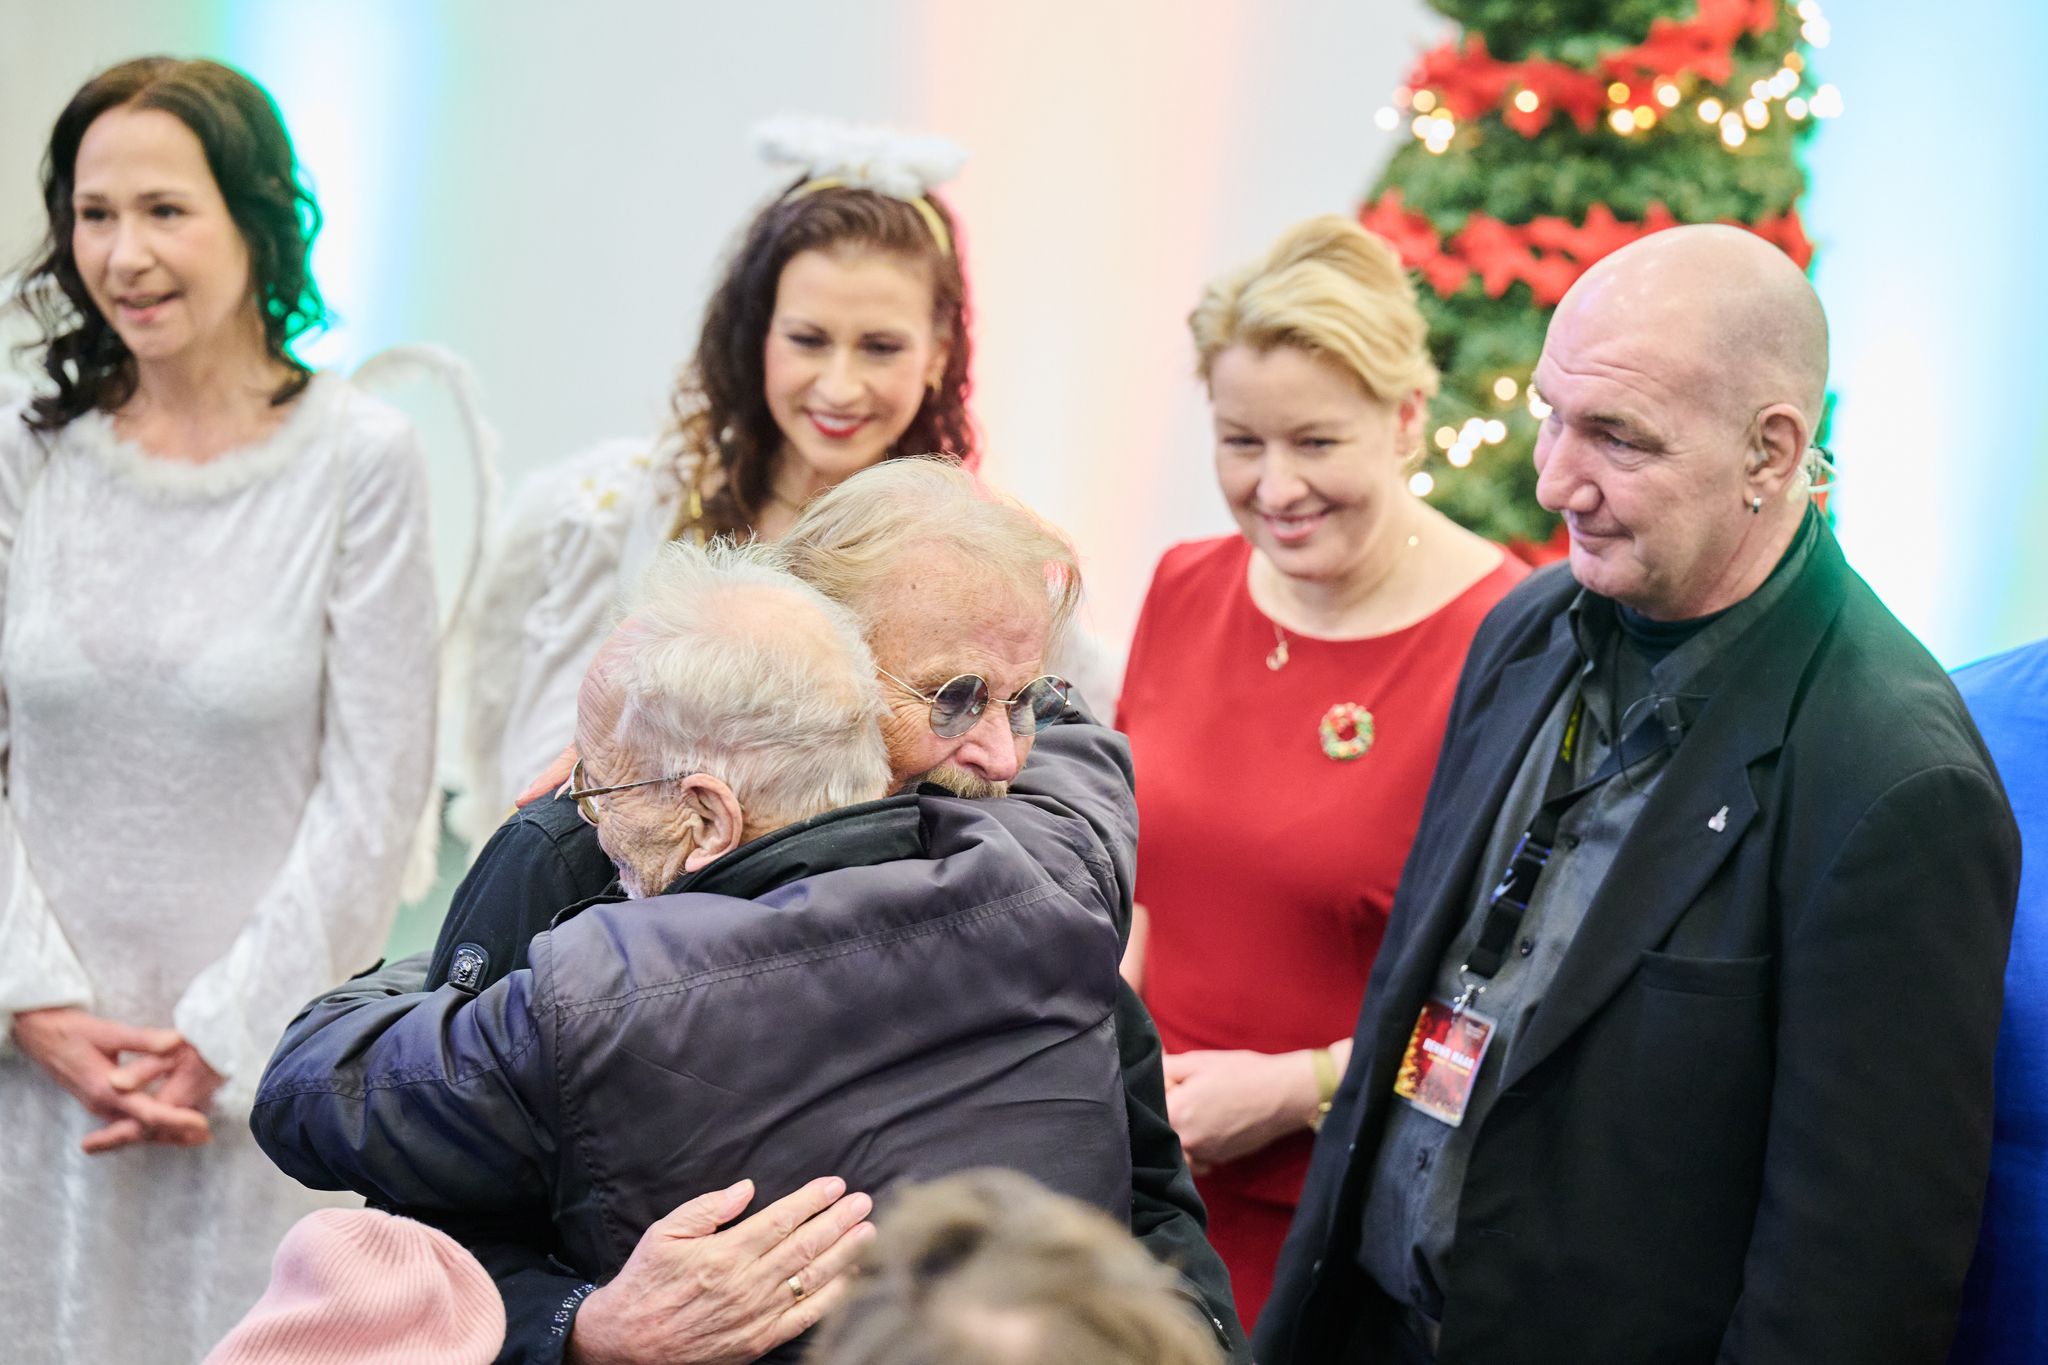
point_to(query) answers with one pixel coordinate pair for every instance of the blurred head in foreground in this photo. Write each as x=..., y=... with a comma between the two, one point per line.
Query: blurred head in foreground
x=990, y=1268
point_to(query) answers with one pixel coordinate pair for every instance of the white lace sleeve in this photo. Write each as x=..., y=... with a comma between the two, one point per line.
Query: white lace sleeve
x=328, y=909
x=489, y=656
x=544, y=606
x=38, y=968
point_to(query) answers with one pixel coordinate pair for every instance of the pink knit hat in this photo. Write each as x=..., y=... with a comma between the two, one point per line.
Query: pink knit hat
x=361, y=1287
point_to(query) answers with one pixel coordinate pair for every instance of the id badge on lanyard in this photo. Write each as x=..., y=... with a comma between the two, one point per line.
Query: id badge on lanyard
x=1443, y=1058
x=1449, y=1042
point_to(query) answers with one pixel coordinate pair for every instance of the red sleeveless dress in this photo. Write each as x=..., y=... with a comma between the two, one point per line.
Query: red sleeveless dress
x=1268, y=865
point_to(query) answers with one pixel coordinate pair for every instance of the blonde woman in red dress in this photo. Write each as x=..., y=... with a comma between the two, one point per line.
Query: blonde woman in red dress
x=1285, y=697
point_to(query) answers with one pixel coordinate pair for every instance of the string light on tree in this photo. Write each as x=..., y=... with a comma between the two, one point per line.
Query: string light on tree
x=1464, y=86
x=1436, y=131
x=1814, y=28
x=1453, y=90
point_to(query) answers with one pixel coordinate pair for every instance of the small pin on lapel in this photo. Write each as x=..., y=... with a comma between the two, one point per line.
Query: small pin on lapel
x=1718, y=821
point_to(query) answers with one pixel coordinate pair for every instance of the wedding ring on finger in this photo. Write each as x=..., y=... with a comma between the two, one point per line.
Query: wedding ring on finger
x=796, y=1286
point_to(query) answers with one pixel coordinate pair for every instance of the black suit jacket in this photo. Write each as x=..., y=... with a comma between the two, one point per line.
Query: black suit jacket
x=1750, y=1119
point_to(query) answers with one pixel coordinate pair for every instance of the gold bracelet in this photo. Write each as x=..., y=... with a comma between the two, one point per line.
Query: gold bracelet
x=1326, y=1085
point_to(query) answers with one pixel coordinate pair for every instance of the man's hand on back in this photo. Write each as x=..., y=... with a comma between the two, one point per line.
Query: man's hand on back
x=692, y=1295
x=549, y=782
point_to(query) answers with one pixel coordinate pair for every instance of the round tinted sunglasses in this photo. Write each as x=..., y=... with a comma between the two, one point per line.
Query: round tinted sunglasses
x=959, y=702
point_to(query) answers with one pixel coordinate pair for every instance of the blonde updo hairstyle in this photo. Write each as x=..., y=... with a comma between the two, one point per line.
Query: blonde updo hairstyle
x=1332, y=289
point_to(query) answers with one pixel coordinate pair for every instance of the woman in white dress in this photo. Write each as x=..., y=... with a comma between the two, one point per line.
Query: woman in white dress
x=217, y=640
x=836, y=338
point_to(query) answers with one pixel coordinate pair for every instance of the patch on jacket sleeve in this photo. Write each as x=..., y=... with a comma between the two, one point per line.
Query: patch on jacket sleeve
x=467, y=968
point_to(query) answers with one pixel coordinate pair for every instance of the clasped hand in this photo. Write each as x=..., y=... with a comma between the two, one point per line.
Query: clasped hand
x=693, y=1295
x=1226, y=1105
x=160, y=1096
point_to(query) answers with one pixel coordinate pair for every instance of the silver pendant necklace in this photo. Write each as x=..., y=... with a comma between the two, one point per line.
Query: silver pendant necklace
x=1276, y=658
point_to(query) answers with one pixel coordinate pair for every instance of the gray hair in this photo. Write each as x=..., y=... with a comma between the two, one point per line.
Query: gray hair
x=726, y=665
x=851, y=541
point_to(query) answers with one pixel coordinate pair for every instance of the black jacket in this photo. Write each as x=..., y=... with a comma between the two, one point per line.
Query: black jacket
x=1749, y=1122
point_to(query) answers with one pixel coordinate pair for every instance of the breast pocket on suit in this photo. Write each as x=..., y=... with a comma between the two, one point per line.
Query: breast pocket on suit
x=1686, y=1071
x=1724, y=976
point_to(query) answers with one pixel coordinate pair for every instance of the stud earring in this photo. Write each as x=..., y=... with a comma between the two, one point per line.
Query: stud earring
x=1756, y=506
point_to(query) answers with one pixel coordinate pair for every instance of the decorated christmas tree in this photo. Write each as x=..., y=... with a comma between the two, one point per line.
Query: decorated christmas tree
x=1548, y=134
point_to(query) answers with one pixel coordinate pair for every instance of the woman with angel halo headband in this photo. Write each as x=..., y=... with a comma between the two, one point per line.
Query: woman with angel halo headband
x=217, y=640
x=837, y=337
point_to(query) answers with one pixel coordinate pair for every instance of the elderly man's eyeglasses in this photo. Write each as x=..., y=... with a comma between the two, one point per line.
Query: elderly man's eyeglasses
x=586, y=797
x=959, y=702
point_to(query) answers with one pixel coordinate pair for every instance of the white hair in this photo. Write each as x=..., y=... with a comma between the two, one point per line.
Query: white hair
x=852, y=540
x=730, y=667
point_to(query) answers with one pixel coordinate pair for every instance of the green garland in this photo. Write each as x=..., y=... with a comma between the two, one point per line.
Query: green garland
x=1562, y=172
x=1578, y=32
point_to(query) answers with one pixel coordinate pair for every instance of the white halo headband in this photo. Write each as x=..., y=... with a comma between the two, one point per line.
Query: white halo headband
x=834, y=155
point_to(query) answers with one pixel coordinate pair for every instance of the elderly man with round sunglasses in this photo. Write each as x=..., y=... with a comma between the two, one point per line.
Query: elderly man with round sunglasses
x=961, y=596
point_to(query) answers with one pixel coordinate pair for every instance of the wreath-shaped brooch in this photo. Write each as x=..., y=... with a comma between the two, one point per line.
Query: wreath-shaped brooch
x=1345, y=731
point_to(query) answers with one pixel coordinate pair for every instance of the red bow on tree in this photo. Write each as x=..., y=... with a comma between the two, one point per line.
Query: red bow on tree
x=1469, y=83
x=1703, y=45
x=1547, y=253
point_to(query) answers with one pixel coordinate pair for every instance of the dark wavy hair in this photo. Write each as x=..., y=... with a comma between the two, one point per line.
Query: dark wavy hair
x=721, y=406
x=250, y=155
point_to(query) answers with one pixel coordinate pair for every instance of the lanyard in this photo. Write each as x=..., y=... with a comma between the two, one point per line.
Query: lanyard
x=1509, y=904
